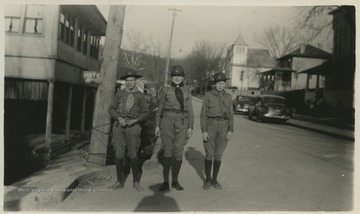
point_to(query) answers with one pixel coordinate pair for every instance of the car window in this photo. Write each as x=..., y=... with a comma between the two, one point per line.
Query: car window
x=244, y=99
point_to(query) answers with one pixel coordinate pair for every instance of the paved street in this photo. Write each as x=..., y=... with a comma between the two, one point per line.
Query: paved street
x=266, y=167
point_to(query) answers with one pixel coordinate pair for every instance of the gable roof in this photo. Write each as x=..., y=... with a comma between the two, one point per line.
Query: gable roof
x=310, y=52
x=240, y=40
x=259, y=58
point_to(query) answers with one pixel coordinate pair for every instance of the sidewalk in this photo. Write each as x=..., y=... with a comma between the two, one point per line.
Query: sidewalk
x=55, y=182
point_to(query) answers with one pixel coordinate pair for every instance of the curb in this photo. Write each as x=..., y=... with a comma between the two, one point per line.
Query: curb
x=322, y=131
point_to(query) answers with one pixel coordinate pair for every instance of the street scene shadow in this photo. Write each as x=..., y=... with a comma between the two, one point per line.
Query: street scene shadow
x=157, y=202
x=196, y=160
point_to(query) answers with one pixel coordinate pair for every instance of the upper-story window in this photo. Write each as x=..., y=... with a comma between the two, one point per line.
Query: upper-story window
x=33, y=19
x=94, y=46
x=67, y=27
x=79, y=38
x=12, y=18
x=85, y=42
x=240, y=50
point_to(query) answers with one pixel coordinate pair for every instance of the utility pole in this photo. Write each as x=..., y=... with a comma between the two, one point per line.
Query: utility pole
x=169, y=48
x=106, y=89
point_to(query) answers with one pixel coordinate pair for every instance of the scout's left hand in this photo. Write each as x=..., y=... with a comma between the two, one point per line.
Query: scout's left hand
x=189, y=133
x=131, y=122
x=228, y=136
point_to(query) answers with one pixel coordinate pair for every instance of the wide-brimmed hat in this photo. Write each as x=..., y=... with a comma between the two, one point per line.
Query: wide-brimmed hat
x=130, y=73
x=177, y=70
x=218, y=77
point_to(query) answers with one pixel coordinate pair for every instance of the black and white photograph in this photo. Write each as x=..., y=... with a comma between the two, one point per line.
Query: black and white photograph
x=178, y=106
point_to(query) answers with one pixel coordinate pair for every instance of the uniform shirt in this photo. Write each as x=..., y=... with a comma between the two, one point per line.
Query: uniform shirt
x=168, y=101
x=139, y=110
x=217, y=104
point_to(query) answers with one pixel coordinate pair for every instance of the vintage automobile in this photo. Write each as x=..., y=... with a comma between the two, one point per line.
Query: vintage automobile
x=241, y=104
x=269, y=107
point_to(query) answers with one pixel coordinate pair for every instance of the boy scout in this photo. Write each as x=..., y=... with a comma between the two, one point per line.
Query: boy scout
x=128, y=108
x=177, y=118
x=217, y=122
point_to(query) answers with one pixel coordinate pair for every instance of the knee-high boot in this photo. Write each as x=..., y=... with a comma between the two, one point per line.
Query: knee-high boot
x=166, y=170
x=119, y=163
x=215, y=174
x=175, y=184
x=208, y=165
x=135, y=171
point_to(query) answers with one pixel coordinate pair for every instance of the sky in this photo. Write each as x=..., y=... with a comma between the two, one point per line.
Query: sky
x=217, y=24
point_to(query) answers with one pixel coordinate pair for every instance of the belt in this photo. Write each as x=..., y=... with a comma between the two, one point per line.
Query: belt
x=217, y=118
x=175, y=111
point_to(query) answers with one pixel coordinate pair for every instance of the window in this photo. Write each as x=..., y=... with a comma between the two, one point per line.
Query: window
x=72, y=30
x=240, y=50
x=85, y=42
x=62, y=25
x=79, y=36
x=67, y=29
x=12, y=18
x=34, y=19
x=92, y=45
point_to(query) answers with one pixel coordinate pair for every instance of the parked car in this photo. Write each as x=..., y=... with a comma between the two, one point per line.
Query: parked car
x=269, y=107
x=241, y=104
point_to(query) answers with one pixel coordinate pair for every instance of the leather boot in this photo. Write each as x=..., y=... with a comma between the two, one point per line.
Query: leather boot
x=166, y=170
x=208, y=165
x=135, y=171
x=119, y=173
x=175, y=184
x=215, y=174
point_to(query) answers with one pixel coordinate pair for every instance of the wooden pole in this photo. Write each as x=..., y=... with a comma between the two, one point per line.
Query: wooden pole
x=82, y=126
x=49, y=115
x=105, y=91
x=68, y=114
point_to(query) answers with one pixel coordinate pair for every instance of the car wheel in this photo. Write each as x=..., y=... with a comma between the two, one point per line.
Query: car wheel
x=259, y=117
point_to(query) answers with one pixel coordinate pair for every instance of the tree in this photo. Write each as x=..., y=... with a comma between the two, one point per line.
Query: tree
x=204, y=60
x=134, y=49
x=317, y=23
x=278, y=40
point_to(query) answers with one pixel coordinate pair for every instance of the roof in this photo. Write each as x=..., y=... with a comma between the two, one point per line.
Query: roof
x=259, y=58
x=310, y=52
x=90, y=16
x=240, y=40
x=273, y=70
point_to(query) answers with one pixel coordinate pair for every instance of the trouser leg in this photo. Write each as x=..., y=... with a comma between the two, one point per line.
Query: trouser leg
x=208, y=165
x=119, y=169
x=166, y=170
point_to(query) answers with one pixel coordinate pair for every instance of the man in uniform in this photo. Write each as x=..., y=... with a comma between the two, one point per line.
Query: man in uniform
x=175, y=114
x=217, y=122
x=128, y=108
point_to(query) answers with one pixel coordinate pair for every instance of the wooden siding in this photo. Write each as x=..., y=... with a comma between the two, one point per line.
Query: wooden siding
x=20, y=44
x=70, y=55
x=29, y=68
x=25, y=90
x=67, y=73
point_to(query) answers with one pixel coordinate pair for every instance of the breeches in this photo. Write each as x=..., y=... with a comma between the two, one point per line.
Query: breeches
x=130, y=137
x=173, y=134
x=216, y=145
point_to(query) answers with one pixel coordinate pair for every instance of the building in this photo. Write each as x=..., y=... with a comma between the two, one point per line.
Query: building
x=287, y=74
x=47, y=49
x=243, y=65
x=339, y=72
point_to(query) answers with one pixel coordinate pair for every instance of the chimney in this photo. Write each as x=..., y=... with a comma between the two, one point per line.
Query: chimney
x=302, y=48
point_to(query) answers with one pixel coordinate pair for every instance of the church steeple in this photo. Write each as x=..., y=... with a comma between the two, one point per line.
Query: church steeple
x=240, y=40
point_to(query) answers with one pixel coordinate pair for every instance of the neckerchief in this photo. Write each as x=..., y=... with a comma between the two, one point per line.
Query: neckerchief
x=130, y=99
x=179, y=94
